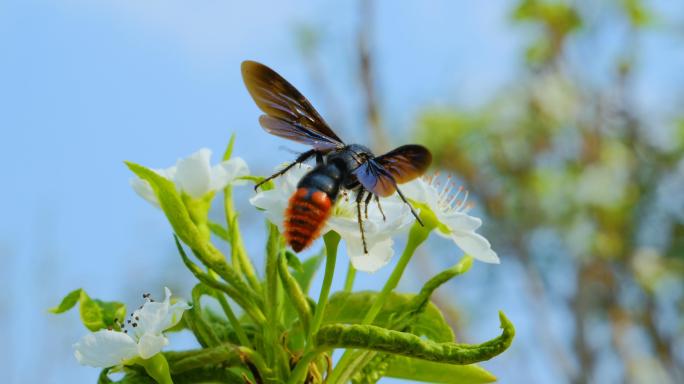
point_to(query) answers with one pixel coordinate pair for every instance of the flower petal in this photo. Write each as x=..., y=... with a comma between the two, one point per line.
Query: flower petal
x=156, y=317
x=193, y=173
x=225, y=173
x=151, y=344
x=144, y=190
x=274, y=202
x=105, y=348
x=379, y=254
x=459, y=221
x=420, y=190
x=476, y=246
x=174, y=312
x=378, y=231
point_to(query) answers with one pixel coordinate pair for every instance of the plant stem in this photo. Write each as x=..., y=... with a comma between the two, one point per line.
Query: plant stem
x=256, y=359
x=242, y=298
x=332, y=240
x=234, y=322
x=301, y=369
x=417, y=236
x=294, y=292
x=349, y=281
x=274, y=355
x=241, y=262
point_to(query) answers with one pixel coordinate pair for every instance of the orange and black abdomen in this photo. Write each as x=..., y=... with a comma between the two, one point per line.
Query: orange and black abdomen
x=307, y=212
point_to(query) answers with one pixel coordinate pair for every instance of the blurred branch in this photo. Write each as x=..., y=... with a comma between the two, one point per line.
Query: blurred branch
x=580, y=310
x=309, y=41
x=379, y=136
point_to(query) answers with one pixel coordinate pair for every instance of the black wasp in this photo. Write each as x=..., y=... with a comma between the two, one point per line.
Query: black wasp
x=339, y=166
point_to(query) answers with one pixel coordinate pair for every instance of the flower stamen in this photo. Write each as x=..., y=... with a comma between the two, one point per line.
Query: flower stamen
x=447, y=200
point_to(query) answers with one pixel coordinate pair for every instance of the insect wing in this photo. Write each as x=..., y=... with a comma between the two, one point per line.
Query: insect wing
x=375, y=179
x=282, y=128
x=382, y=174
x=406, y=162
x=288, y=113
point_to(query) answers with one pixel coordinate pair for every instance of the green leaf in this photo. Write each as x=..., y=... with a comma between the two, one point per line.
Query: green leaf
x=293, y=261
x=422, y=299
x=68, y=302
x=220, y=231
x=431, y=372
x=267, y=186
x=225, y=354
x=379, y=339
x=229, y=148
x=113, y=312
x=91, y=313
x=308, y=270
x=351, y=307
x=171, y=203
x=95, y=314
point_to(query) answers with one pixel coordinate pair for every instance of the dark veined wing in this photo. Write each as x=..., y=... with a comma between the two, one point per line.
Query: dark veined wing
x=288, y=113
x=382, y=174
x=406, y=162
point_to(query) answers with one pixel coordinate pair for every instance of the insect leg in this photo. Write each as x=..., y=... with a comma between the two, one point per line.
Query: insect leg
x=410, y=206
x=359, y=198
x=377, y=200
x=365, y=203
x=300, y=159
x=396, y=187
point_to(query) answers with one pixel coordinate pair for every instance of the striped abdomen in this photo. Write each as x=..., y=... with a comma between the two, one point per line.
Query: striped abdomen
x=306, y=214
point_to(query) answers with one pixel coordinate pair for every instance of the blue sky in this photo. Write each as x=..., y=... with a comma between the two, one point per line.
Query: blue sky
x=85, y=85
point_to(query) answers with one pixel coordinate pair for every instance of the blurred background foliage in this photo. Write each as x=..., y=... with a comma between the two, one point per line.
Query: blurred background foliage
x=557, y=155
x=577, y=182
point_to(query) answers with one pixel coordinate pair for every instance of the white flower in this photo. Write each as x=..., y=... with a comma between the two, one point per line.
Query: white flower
x=455, y=223
x=142, y=338
x=343, y=220
x=195, y=176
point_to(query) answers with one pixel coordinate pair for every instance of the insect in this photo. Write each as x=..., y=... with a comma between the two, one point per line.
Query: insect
x=339, y=166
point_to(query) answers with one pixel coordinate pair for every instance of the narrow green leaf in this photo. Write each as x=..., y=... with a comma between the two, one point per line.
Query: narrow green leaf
x=350, y=308
x=203, y=331
x=419, y=301
x=224, y=354
x=220, y=231
x=257, y=179
x=379, y=339
x=293, y=261
x=431, y=372
x=229, y=149
x=68, y=302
